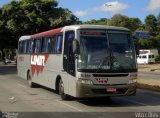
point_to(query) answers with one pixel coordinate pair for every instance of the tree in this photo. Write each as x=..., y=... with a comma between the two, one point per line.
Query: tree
x=135, y=23
x=119, y=20
x=26, y=17
x=158, y=23
x=151, y=24
x=124, y=21
x=102, y=21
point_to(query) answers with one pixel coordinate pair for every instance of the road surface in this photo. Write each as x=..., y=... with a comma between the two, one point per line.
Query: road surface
x=16, y=98
x=149, y=75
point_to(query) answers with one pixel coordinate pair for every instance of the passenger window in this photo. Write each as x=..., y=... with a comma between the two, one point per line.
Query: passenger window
x=22, y=47
x=59, y=43
x=144, y=56
x=46, y=45
x=29, y=46
x=53, y=44
x=37, y=45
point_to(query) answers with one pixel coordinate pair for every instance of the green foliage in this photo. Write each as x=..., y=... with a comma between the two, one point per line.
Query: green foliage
x=25, y=17
x=102, y=21
x=151, y=24
x=134, y=24
x=157, y=58
x=119, y=20
x=158, y=19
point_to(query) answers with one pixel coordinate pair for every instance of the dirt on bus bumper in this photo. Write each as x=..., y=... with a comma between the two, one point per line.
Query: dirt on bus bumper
x=85, y=91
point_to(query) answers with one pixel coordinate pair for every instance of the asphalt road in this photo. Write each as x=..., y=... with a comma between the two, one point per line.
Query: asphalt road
x=149, y=75
x=17, y=99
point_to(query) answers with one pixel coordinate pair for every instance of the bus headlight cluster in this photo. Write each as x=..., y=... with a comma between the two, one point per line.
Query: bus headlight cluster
x=86, y=81
x=132, y=81
x=84, y=75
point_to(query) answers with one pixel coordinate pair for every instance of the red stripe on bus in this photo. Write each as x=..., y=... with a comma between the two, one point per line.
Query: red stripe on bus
x=50, y=32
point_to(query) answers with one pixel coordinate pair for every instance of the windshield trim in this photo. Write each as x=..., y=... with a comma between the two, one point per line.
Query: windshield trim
x=107, y=71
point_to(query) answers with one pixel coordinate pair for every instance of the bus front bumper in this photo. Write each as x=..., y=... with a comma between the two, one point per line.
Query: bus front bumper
x=86, y=91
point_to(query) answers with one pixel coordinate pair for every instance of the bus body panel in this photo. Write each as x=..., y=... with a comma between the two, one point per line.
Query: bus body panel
x=23, y=60
x=23, y=65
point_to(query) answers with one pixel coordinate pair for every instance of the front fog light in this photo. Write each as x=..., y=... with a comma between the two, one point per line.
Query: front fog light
x=86, y=81
x=132, y=81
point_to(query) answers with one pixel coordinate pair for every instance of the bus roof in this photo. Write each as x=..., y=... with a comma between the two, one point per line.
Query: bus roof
x=24, y=37
x=95, y=27
x=54, y=31
x=73, y=27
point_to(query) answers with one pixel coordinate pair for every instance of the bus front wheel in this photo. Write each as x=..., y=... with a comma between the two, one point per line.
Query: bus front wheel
x=61, y=91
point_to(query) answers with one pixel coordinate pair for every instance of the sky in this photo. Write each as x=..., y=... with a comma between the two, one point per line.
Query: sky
x=87, y=10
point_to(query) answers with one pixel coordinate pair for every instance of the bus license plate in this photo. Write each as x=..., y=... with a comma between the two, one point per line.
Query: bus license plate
x=111, y=90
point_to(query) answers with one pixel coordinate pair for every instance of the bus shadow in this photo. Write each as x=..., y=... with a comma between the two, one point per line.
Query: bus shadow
x=8, y=69
x=131, y=101
x=142, y=99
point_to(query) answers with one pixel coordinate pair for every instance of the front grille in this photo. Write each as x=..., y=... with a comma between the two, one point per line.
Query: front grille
x=103, y=91
x=110, y=75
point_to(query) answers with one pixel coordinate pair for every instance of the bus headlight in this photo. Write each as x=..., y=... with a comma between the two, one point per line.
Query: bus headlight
x=132, y=81
x=86, y=81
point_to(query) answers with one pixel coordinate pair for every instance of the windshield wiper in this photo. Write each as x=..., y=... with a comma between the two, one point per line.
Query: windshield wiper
x=111, y=60
x=102, y=63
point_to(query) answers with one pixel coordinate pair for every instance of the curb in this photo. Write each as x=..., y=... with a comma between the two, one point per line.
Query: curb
x=157, y=69
x=148, y=87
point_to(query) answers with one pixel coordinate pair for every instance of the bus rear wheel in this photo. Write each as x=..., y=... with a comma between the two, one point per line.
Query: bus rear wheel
x=29, y=78
x=61, y=91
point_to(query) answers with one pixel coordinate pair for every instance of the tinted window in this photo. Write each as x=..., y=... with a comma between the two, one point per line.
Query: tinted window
x=144, y=56
x=29, y=47
x=53, y=44
x=59, y=43
x=37, y=45
x=22, y=47
x=46, y=45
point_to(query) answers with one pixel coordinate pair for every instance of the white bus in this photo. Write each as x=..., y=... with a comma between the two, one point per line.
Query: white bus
x=81, y=61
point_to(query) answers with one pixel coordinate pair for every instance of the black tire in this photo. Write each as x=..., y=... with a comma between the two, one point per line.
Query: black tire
x=30, y=83
x=61, y=91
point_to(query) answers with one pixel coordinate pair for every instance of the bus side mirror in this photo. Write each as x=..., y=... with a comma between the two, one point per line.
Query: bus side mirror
x=75, y=47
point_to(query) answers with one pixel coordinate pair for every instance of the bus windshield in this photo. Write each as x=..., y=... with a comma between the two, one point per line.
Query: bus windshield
x=102, y=50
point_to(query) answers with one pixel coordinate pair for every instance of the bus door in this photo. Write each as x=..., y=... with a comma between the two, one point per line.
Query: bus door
x=68, y=57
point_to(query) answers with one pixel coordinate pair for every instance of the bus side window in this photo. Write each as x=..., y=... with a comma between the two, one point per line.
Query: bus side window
x=29, y=46
x=53, y=44
x=46, y=45
x=59, y=43
x=25, y=47
x=71, y=37
x=38, y=45
x=22, y=47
